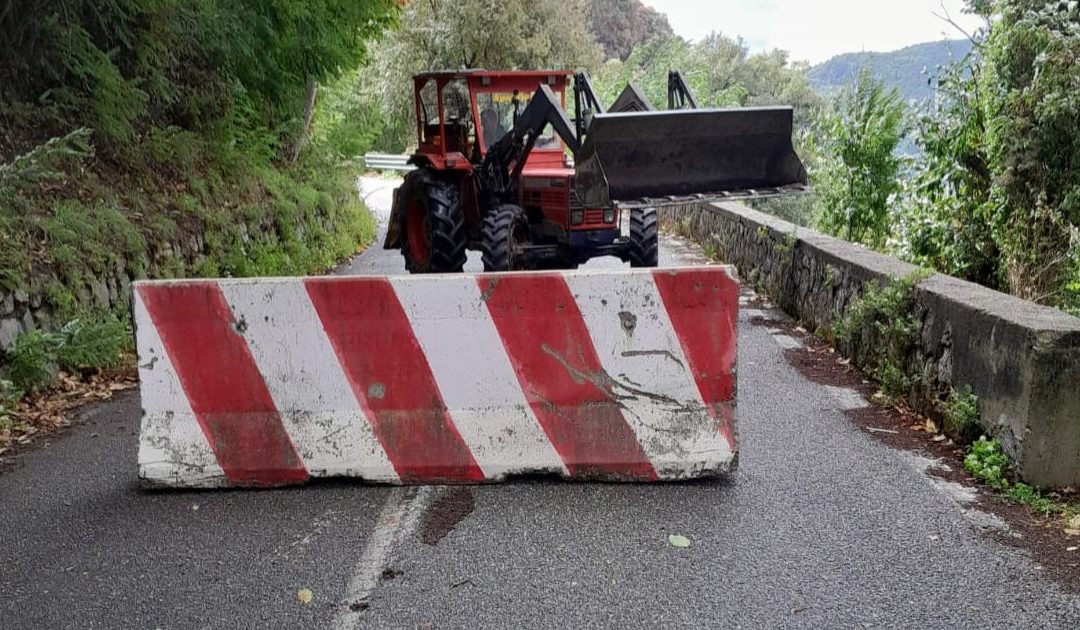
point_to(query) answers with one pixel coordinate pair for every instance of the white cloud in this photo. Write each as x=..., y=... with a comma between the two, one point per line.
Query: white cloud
x=814, y=30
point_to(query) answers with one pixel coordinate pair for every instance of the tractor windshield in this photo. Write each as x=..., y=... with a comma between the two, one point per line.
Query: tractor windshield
x=497, y=118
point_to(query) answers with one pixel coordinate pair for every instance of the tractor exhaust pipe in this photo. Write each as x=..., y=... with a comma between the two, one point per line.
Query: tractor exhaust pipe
x=724, y=153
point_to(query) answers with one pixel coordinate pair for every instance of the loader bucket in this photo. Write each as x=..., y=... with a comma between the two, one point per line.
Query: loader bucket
x=605, y=375
x=633, y=156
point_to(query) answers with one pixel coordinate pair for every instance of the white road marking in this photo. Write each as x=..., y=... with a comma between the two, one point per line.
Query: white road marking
x=786, y=341
x=848, y=399
x=397, y=522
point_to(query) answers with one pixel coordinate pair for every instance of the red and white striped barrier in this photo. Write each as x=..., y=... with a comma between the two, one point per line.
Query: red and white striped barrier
x=624, y=375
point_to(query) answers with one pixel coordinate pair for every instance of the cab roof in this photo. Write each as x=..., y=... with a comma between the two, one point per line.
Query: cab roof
x=494, y=74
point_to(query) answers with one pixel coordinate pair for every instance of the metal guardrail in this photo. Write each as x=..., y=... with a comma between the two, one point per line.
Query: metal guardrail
x=387, y=162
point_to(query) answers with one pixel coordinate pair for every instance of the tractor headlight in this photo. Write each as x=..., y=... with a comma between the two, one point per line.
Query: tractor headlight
x=609, y=215
x=577, y=216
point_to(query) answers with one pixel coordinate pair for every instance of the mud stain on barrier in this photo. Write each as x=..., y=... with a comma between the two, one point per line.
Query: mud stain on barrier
x=493, y=284
x=444, y=514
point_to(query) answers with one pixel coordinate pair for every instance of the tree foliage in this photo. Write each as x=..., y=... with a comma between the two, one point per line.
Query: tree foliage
x=622, y=25
x=453, y=34
x=860, y=173
x=996, y=197
x=121, y=67
x=720, y=71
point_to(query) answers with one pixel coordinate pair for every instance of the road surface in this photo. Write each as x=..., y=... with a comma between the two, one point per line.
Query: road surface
x=820, y=527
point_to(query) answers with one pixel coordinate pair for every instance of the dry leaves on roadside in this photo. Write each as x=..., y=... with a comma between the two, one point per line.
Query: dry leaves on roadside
x=49, y=411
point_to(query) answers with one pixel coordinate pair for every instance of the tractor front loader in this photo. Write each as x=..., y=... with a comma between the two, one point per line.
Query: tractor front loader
x=502, y=169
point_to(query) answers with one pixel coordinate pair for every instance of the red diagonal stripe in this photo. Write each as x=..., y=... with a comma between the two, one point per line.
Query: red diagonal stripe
x=392, y=380
x=703, y=307
x=223, y=384
x=564, y=382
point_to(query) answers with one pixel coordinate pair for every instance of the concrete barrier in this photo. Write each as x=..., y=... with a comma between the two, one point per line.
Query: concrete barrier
x=1022, y=360
x=625, y=375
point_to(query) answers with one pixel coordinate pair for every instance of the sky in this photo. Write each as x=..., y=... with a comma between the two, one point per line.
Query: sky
x=815, y=30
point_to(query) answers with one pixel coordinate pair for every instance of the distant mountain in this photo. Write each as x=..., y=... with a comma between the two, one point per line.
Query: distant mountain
x=909, y=70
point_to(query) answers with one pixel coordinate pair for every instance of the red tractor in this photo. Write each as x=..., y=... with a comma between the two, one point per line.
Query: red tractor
x=501, y=168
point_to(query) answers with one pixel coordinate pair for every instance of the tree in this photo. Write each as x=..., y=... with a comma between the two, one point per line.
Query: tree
x=720, y=71
x=861, y=169
x=492, y=34
x=997, y=197
x=1033, y=51
x=944, y=213
x=123, y=66
x=622, y=25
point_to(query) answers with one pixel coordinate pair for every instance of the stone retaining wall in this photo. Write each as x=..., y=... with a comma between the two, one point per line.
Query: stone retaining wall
x=36, y=306
x=1022, y=360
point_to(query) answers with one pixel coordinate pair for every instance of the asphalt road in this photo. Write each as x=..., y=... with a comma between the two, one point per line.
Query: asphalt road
x=820, y=527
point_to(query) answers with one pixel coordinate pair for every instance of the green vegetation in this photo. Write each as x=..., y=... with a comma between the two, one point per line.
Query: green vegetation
x=36, y=358
x=960, y=413
x=9, y=397
x=860, y=172
x=442, y=34
x=881, y=334
x=132, y=124
x=720, y=71
x=994, y=196
x=620, y=25
x=170, y=138
x=987, y=462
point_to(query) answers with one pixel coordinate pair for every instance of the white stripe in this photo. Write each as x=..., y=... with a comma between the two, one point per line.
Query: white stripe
x=475, y=377
x=318, y=407
x=173, y=449
x=398, y=519
x=644, y=363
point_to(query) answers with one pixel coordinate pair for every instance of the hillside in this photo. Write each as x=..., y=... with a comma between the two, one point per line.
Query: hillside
x=908, y=69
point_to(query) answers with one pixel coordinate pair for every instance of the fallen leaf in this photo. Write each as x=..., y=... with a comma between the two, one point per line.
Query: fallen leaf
x=931, y=427
x=1072, y=532
x=940, y=438
x=1074, y=522
x=682, y=542
x=304, y=596
x=1071, y=548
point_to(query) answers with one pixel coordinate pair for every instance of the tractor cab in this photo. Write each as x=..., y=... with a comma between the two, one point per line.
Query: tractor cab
x=460, y=115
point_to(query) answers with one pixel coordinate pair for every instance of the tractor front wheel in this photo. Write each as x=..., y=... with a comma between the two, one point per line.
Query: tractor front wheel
x=644, y=238
x=506, y=233
x=432, y=225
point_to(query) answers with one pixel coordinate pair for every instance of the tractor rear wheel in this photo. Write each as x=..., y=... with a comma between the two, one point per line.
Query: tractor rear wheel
x=432, y=225
x=506, y=233
x=644, y=238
